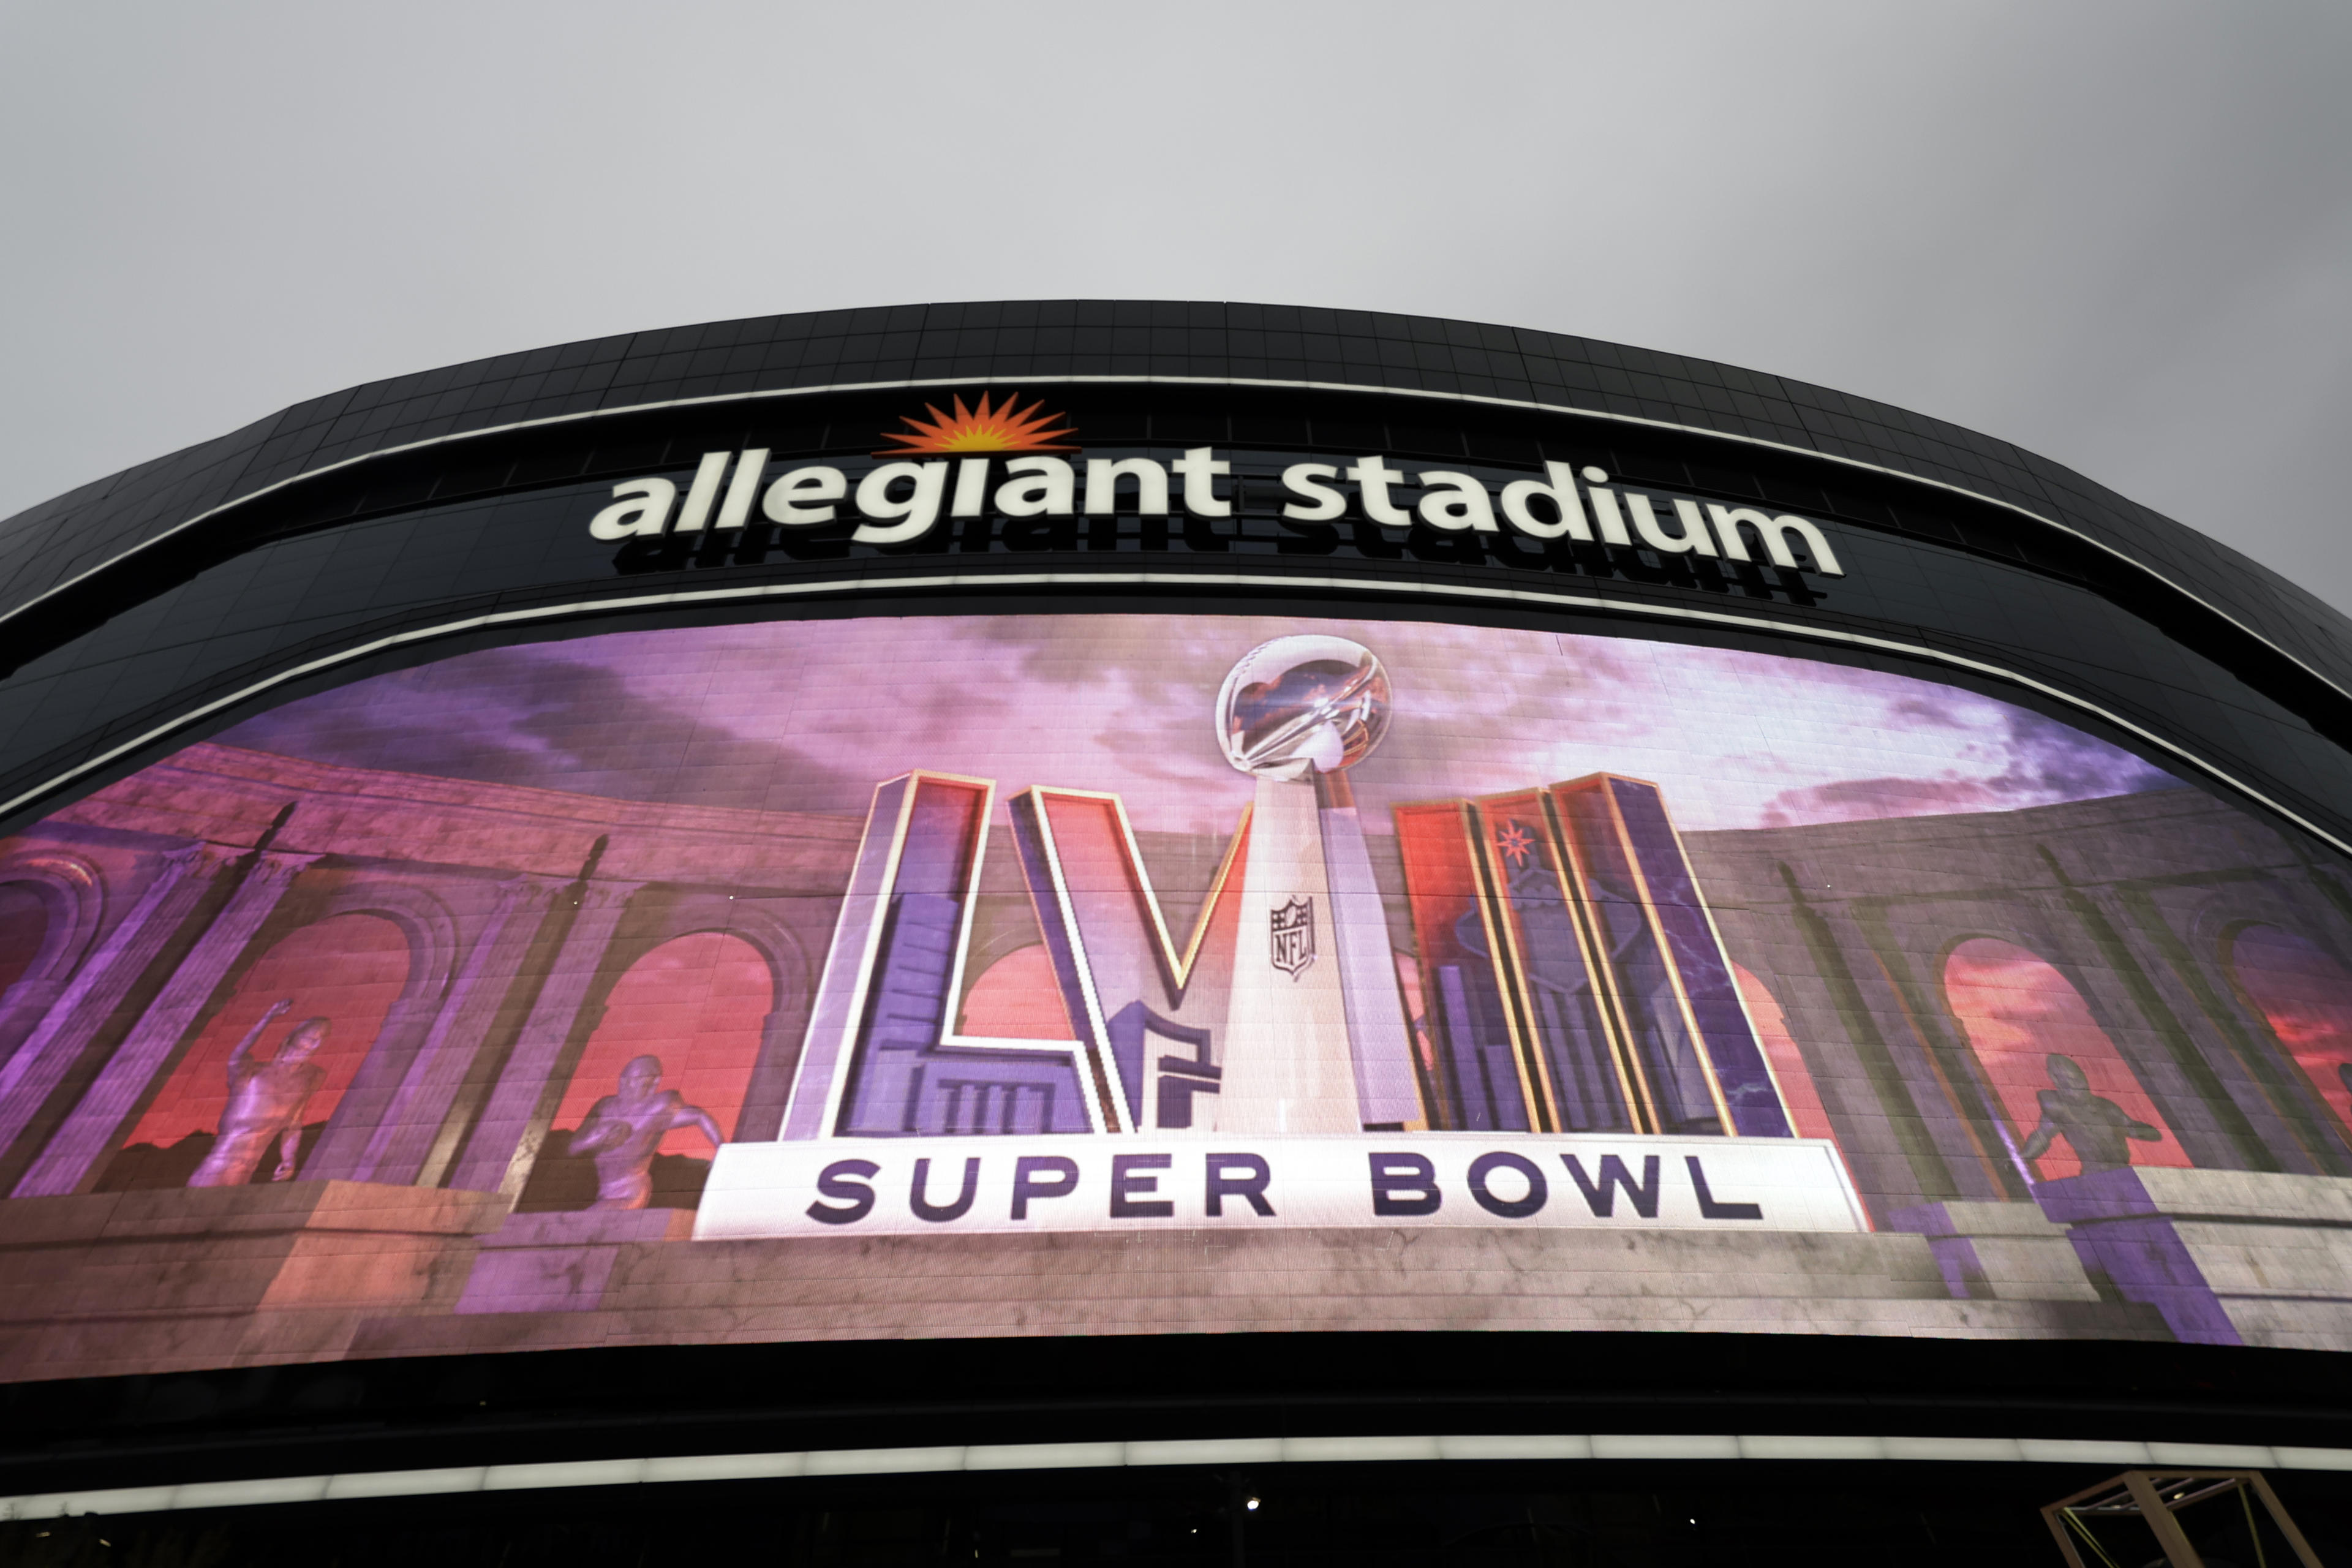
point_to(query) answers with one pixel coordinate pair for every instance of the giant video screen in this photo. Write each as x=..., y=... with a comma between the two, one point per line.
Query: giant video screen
x=968, y=975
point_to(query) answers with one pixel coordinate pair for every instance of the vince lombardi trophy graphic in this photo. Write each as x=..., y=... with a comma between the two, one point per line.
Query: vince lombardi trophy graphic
x=1316, y=1038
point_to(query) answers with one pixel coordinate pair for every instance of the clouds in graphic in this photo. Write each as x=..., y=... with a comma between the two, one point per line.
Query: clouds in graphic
x=533, y=716
x=808, y=716
x=2045, y=763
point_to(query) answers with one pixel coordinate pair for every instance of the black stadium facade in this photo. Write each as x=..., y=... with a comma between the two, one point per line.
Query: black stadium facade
x=1212, y=932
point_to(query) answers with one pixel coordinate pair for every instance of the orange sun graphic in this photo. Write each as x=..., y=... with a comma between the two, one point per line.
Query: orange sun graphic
x=1002, y=429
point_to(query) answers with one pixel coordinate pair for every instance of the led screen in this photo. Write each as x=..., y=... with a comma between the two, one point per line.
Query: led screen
x=995, y=975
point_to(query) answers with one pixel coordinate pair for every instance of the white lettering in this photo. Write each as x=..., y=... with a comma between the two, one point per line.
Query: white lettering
x=1372, y=482
x=1645, y=524
x=646, y=513
x=1455, y=501
x=793, y=499
x=915, y=514
x=1773, y=532
x=1200, y=470
x=749, y=468
x=1050, y=489
x=1039, y=486
x=704, y=491
x=972, y=487
x=1560, y=492
x=1150, y=486
x=1605, y=512
x=1302, y=480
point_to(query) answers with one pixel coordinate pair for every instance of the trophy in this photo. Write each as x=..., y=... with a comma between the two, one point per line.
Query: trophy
x=1316, y=1040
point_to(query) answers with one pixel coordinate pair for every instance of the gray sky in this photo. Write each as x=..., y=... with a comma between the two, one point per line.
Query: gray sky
x=2119, y=233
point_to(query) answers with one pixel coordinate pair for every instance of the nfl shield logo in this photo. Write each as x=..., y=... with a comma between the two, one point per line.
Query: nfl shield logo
x=1294, y=936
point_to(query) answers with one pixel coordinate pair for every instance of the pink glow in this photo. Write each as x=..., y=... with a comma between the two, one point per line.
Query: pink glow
x=1789, y=1069
x=698, y=1003
x=1017, y=999
x=2018, y=1009
x=2306, y=998
x=23, y=926
x=350, y=969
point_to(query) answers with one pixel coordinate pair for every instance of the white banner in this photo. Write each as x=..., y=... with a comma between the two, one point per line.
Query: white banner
x=928, y=1186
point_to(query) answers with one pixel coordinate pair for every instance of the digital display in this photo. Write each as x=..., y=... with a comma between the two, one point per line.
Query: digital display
x=1113, y=973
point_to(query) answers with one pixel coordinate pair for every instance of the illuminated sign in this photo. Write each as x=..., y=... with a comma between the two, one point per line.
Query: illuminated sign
x=999, y=460
x=940, y=1186
x=885, y=976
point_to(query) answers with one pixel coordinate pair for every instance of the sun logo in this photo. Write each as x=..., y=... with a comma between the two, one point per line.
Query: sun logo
x=1005, y=428
x=1517, y=844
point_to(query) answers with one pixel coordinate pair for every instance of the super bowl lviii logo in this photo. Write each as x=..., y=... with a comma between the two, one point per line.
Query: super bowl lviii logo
x=1527, y=992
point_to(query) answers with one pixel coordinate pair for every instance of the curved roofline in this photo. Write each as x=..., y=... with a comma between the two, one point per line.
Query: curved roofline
x=1481, y=399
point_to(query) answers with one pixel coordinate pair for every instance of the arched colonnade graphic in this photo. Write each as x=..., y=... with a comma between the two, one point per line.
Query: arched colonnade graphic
x=1930, y=966
x=2304, y=994
x=151, y=930
x=2054, y=1077
x=464, y=940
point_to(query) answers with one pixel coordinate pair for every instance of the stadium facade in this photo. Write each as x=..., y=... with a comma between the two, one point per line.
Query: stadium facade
x=1100, y=929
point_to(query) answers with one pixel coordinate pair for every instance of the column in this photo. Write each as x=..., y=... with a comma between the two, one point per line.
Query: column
x=1880, y=1128
x=40, y=1064
x=28, y=1001
x=89, y=1132
x=499, y=1155
x=2206, y=1092
x=405, y=1130
x=1943, y=1080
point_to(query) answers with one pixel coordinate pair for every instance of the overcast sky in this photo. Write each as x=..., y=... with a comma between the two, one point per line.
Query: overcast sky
x=2117, y=233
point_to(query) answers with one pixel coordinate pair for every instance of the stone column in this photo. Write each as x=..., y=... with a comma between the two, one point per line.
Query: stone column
x=394, y=1145
x=37, y=1067
x=1940, y=1075
x=73, y=1155
x=498, y=1156
x=2204, y=1088
x=28, y=1001
x=1838, y=992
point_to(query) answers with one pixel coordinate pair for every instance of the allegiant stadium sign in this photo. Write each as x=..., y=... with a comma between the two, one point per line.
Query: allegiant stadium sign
x=1005, y=461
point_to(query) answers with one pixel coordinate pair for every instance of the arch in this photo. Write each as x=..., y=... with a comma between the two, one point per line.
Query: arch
x=1794, y=1078
x=2017, y=1010
x=700, y=1003
x=434, y=940
x=24, y=927
x=427, y=923
x=783, y=928
x=351, y=969
x=58, y=899
x=2305, y=995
